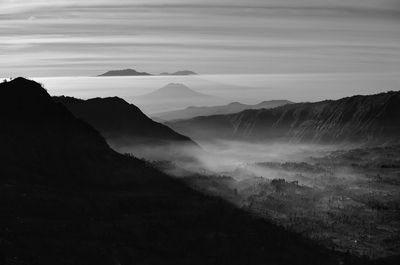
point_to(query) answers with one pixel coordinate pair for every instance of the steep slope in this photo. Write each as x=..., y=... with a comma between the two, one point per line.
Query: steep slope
x=124, y=72
x=66, y=198
x=43, y=136
x=357, y=119
x=234, y=107
x=122, y=123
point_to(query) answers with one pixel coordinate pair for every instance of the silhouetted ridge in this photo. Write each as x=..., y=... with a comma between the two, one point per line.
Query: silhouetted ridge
x=132, y=72
x=233, y=107
x=43, y=138
x=183, y=72
x=124, y=72
x=357, y=119
x=118, y=120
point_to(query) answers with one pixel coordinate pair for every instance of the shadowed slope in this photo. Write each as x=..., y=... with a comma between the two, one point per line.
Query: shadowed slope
x=234, y=107
x=357, y=119
x=115, y=118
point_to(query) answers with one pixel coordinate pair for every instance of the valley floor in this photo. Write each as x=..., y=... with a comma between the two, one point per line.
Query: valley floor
x=347, y=200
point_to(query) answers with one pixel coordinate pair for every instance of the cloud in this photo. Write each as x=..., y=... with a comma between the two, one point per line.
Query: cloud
x=256, y=36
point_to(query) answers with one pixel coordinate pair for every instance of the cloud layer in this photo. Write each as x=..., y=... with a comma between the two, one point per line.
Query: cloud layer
x=59, y=37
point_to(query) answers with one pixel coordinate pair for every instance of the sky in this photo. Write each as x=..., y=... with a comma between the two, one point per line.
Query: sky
x=40, y=38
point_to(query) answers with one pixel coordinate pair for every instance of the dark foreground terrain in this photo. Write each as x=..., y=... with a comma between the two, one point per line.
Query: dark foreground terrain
x=67, y=198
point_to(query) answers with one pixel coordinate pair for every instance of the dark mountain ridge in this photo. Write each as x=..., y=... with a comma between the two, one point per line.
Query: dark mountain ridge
x=356, y=119
x=132, y=72
x=183, y=72
x=115, y=118
x=37, y=132
x=125, y=72
x=124, y=124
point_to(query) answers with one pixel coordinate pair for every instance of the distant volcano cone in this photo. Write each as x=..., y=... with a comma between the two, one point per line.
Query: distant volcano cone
x=173, y=91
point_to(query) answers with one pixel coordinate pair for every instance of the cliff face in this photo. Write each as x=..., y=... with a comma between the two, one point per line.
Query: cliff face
x=374, y=118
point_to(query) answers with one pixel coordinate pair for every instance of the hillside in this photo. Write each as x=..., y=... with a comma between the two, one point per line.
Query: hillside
x=357, y=119
x=191, y=112
x=67, y=198
x=124, y=124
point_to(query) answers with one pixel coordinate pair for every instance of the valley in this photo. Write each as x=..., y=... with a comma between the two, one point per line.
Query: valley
x=347, y=200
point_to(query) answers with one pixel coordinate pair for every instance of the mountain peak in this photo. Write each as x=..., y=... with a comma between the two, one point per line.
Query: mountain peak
x=133, y=72
x=27, y=97
x=178, y=88
x=183, y=72
x=124, y=72
x=175, y=86
x=174, y=91
x=22, y=86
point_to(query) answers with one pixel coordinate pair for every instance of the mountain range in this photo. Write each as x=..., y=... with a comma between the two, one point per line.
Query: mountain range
x=132, y=72
x=234, y=107
x=172, y=96
x=124, y=124
x=183, y=72
x=356, y=119
x=124, y=72
x=67, y=198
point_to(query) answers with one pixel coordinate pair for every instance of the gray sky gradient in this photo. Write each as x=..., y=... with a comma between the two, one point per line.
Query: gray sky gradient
x=81, y=38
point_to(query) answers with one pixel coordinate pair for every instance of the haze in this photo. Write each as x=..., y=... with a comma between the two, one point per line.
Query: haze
x=251, y=89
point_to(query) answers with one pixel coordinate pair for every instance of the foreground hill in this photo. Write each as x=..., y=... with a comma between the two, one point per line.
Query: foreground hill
x=124, y=124
x=357, y=119
x=67, y=198
x=234, y=107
